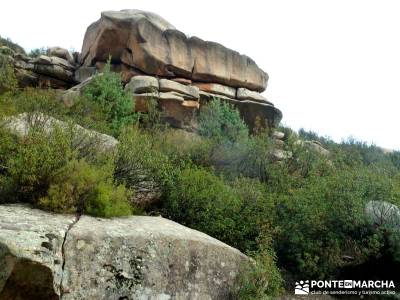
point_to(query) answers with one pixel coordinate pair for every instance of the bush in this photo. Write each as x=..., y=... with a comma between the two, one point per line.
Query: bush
x=52, y=171
x=84, y=188
x=138, y=160
x=220, y=120
x=10, y=44
x=201, y=200
x=8, y=81
x=37, y=52
x=107, y=91
x=259, y=279
x=322, y=221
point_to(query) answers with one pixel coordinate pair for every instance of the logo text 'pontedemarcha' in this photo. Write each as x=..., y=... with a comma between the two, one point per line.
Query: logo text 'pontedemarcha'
x=305, y=287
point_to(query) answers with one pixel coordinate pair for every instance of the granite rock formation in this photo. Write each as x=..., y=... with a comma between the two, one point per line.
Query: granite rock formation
x=48, y=256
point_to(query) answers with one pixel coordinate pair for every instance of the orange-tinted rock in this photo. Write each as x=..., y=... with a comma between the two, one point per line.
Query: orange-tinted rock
x=147, y=42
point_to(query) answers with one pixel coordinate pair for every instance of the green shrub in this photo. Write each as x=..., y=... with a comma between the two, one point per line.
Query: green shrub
x=220, y=120
x=138, y=159
x=84, y=188
x=8, y=81
x=107, y=91
x=51, y=170
x=37, y=52
x=200, y=200
x=31, y=166
x=322, y=221
x=10, y=44
x=259, y=279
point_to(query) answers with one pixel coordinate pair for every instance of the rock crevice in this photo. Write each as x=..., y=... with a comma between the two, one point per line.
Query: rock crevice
x=62, y=290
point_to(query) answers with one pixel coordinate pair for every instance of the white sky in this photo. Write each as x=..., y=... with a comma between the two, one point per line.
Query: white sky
x=334, y=65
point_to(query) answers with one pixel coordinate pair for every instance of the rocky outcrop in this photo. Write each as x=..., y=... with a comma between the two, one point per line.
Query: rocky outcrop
x=147, y=42
x=159, y=62
x=53, y=71
x=156, y=61
x=47, y=256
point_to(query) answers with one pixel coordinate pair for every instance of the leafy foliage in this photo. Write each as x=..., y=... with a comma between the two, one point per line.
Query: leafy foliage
x=10, y=44
x=37, y=52
x=221, y=121
x=107, y=91
x=8, y=81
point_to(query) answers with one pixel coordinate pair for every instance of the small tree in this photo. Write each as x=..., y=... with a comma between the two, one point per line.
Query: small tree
x=8, y=81
x=107, y=90
x=220, y=120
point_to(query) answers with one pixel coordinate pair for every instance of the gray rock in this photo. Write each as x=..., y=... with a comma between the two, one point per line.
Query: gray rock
x=83, y=73
x=314, y=146
x=278, y=135
x=31, y=254
x=245, y=94
x=383, y=213
x=54, y=67
x=61, y=53
x=48, y=256
x=142, y=84
x=188, y=91
x=146, y=258
x=279, y=154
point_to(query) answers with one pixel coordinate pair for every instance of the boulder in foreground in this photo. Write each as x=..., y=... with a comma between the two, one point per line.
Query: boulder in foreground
x=47, y=256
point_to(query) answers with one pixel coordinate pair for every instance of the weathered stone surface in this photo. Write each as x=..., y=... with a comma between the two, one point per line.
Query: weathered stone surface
x=182, y=80
x=279, y=154
x=149, y=43
x=47, y=256
x=83, y=73
x=142, y=84
x=383, y=213
x=126, y=72
x=61, y=53
x=145, y=258
x=31, y=254
x=189, y=91
x=21, y=124
x=245, y=94
x=278, y=135
x=55, y=67
x=176, y=111
x=314, y=146
x=216, y=88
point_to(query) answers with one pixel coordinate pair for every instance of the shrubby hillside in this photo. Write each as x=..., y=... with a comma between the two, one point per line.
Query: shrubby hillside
x=300, y=217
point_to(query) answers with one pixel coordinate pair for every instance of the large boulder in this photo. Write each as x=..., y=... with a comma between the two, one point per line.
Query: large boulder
x=147, y=42
x=31, y=252
x=47, y=256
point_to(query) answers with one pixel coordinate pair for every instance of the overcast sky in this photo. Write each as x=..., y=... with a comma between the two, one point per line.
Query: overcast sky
x=334, y=65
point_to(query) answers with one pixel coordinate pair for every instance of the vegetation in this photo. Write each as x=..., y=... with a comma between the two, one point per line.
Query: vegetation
x=302, y=217
x=107, y=91
x=8, y=81
x=10, y=44
x=37, y=52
